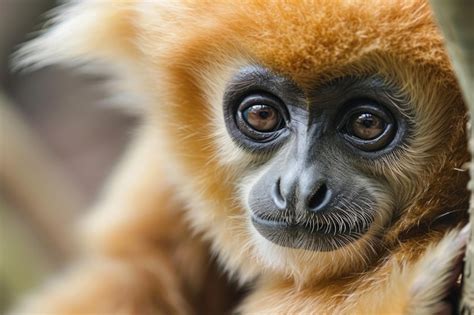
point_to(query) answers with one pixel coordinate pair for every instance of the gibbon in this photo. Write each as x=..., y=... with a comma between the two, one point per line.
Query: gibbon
x=314, y=148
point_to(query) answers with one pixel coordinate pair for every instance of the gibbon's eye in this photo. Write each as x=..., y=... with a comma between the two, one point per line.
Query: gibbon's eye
x=260, y=116
x=368, y=126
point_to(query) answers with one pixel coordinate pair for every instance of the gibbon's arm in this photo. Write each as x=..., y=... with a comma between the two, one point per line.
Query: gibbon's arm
x=139, y=257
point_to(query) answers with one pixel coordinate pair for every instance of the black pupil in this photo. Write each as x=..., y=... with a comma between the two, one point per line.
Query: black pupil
x=367, y=120
x=264, y=114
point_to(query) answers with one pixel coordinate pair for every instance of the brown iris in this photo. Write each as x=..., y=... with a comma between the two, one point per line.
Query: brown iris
x=366, y=126
x=262, y=118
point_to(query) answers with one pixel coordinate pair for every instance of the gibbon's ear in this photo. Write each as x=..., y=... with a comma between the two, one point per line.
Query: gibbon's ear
x=81, y=32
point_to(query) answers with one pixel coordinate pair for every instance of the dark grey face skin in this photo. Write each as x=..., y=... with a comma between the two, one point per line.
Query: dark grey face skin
x=314, y=194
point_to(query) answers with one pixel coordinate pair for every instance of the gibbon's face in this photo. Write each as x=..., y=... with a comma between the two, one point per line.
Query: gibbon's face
x=310, y=136
x=307, y=138
x=311, y=189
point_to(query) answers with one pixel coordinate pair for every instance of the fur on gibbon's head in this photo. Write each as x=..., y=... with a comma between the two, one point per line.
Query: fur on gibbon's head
x=317, y=67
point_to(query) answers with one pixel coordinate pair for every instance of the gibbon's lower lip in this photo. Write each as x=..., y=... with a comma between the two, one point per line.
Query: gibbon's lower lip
x=304, y=237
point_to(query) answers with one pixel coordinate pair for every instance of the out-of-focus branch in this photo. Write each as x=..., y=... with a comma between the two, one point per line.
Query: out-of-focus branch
x=456, y=19
x=30, y=178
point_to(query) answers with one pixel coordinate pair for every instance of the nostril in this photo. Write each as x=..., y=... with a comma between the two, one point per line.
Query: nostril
x=277, y=197
x=320, y=198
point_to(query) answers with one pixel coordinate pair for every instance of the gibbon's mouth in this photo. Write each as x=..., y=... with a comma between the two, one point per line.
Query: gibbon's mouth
x=324, y=233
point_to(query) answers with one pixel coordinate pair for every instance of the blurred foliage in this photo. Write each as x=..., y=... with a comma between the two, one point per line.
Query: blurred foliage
x=54, y=155
x=22, y=264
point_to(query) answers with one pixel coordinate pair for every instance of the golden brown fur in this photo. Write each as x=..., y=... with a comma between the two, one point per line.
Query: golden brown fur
x=178, y=191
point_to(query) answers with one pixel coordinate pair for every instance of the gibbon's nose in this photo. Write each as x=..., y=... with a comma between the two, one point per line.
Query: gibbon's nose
x=312, y=196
